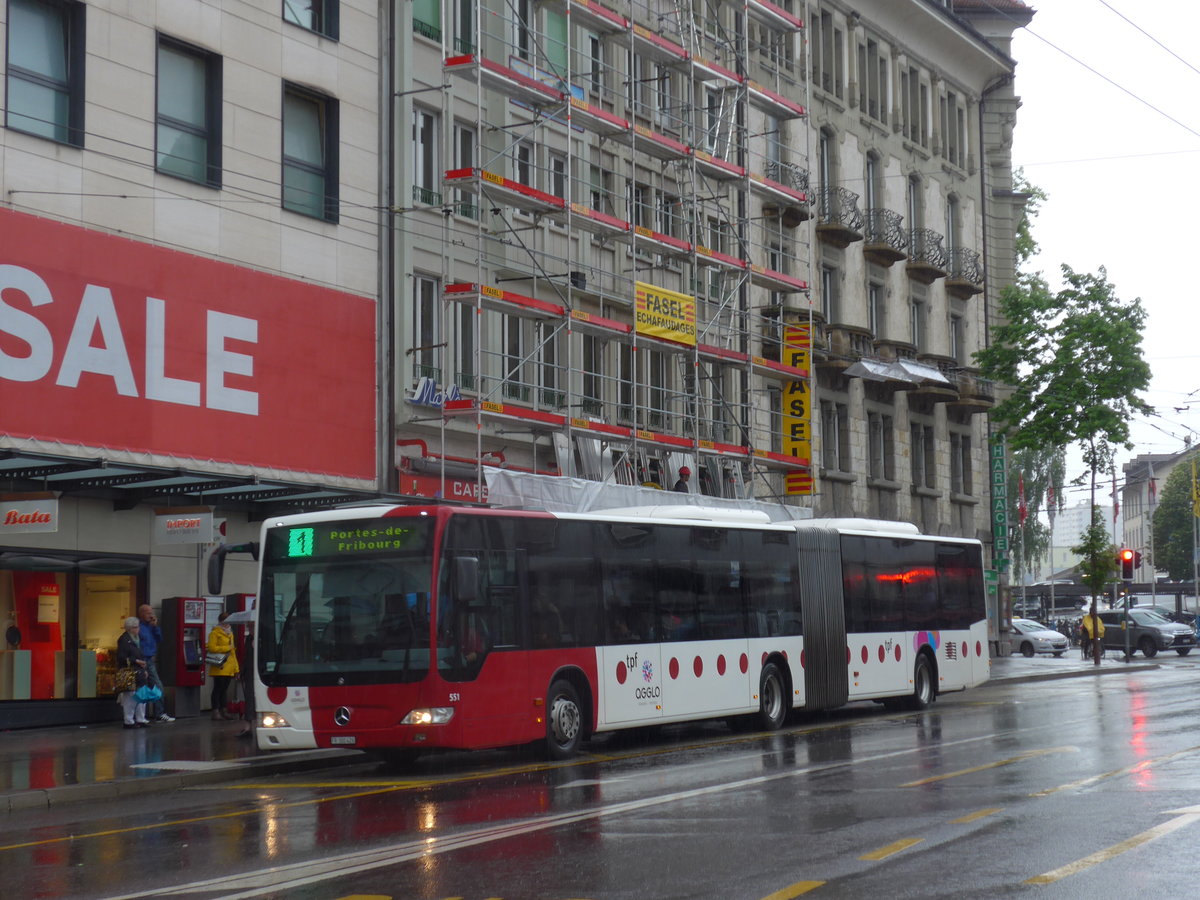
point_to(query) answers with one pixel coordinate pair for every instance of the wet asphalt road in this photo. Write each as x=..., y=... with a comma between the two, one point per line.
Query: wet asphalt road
x=1077, y=787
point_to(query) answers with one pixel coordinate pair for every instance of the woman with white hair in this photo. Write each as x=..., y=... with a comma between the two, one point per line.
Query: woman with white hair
x=129, y=656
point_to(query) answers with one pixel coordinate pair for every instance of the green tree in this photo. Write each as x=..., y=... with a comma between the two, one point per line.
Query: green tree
x=1038, y=471
x=1073, y=361
x=1173, y=517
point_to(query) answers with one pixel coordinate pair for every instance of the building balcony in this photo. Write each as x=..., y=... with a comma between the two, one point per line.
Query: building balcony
x=843, y=345
x=965, y=279
x=935, y=379
x=976, y=394
x=839, y=220
x=927, y=259
x=884, y=238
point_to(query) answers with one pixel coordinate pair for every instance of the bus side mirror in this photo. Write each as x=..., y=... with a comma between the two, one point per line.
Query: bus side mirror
x=216, y=562
x=466, y=579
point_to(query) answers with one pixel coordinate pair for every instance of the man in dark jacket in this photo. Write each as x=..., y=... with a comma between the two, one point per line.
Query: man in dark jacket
x=682, y=484
x=150, y=637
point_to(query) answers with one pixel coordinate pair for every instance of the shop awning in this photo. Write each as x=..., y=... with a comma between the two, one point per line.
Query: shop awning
x=128, y=485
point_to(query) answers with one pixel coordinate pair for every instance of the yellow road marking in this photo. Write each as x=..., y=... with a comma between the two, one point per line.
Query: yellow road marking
x=890, y=849
x=1110, y=852
x=794, y=890
x=1136, y=767
x=971, y=817
x=1021, y=757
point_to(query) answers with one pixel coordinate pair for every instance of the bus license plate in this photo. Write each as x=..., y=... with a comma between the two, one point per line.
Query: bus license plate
x=343, y=739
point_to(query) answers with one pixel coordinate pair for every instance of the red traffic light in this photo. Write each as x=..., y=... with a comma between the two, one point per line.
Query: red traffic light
x=1125, y=555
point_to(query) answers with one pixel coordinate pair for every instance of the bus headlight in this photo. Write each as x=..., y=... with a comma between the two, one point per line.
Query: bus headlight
x=273, y=720
x=435, y=715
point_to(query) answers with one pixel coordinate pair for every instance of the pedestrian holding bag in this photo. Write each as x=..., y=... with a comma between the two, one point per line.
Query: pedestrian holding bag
x=215, y=659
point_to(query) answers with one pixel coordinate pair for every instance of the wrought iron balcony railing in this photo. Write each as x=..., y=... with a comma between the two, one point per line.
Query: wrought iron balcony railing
x=966, y=265
x=927, y=259
x=884, y=236
x=787, y=174
x=839, y=220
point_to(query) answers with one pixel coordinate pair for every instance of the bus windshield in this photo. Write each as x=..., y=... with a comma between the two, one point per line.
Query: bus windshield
x=345, y=602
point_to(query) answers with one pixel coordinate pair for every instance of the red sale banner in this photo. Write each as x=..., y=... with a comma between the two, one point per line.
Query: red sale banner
x=115, y=344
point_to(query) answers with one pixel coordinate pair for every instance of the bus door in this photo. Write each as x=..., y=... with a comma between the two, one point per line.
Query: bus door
x=631, y=676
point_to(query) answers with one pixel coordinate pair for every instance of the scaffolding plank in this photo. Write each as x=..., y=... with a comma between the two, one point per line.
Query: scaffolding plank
x=596, y=119
x=656, y=47
x=708, y=257
x=669, y=440
x=499, y=77
x=587, y=219
x=591, y=15
x=526, y=414
x=781, y=460
x=510, y=192
x=772, y=369
x=773, y=190
x=506, y=302
x=718, y=448
x=775, y=17
x=590, y=323
x=619, y=431
x=663, y=243
x=772, y=103
x=776, y=281
x=658, y=145
x=723, y=354
x=715, y=167
x=707, y=69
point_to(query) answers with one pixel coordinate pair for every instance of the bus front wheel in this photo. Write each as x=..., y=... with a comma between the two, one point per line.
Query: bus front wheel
x=772, y=698
x=564, y=722
x=923, y=690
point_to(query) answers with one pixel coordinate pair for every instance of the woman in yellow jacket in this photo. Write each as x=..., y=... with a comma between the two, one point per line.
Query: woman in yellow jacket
x=220, y=641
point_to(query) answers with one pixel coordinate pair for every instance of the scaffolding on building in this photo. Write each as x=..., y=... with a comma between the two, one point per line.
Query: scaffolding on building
x=623, y=272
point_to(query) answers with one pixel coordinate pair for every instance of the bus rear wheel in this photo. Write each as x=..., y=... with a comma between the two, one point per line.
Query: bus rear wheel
x=923, y=690
x=772, y=702
x=564, y=721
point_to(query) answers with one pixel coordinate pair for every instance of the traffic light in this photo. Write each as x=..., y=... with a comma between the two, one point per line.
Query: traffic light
x=1137, y=559
x=1126, y=557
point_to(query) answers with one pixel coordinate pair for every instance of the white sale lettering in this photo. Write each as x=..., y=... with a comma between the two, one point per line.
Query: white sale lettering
x=110, y=358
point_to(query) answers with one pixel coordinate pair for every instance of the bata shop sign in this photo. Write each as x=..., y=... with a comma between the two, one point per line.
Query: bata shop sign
x=111, y=343
x=183, y=525
x=26, y=513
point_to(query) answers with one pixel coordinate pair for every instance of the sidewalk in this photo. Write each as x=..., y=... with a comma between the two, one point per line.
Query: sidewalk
x=45, y=767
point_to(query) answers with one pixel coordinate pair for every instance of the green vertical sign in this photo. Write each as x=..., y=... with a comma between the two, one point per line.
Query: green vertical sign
x=999, y=469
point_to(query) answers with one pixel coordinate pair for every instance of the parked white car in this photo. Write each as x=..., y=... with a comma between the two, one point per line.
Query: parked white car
x=1030, y=637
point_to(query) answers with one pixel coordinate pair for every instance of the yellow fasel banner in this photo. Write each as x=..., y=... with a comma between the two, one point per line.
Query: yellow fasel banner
x=665, y=314
x=797, y=406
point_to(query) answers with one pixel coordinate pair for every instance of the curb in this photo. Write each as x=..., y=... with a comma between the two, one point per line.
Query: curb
x=277, y=764
x=1076, y=673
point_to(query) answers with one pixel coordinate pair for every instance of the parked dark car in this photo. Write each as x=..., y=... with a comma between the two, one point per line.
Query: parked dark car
x=1168, y=612
x=1149, y=632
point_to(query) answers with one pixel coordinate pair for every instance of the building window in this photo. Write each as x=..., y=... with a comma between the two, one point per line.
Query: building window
x=594, y=67
x=828, y=46
x=522, y=28
x=954, y=129
x=320, y=16
x=830, y=277
x=922, y=451
x=557, y=163
x=958, y=344
x=464, y=347
x=514, y=359
x=835, y=436
x=952, y=224
x=960, y=463
x=464, y=158
x=188, y=113
x=310, y=157
x=45, y=69
x=425, y=328
x=872, y=81
x=523, y=169
x=875, y=310
x=881, y=446
x=593, y=370
x=427, y=19
x=656, y=398
x=918, y=316
x=425, y=158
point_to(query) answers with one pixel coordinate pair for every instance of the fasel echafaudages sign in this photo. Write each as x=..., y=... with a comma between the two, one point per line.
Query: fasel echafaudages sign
x=107, y=342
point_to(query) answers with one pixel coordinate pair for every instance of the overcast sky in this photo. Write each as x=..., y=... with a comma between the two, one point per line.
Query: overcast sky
x=1122, y=176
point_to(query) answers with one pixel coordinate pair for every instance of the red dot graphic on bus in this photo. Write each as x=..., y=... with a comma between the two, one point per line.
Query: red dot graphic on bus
x=882, y=653
x=764, y=659
x=847, y=656
x=965, y=651
x=674, y=668
x=721, y=664
x=978, y=649
x=803, y=658
x=897, y=653
x=622, y=672
x=698, y=666
x=865, y=654
x=744, y=663
x=277, y=694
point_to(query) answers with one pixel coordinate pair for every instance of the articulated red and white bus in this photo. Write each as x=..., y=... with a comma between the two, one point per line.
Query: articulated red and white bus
x=396, y=629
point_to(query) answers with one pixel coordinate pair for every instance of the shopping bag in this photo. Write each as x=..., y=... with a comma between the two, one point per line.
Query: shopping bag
x=124, y=680
x=216, y=659
x=148, y=693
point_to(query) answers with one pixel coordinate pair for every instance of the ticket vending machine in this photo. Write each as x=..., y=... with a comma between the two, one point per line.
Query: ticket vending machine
x=181, y=656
